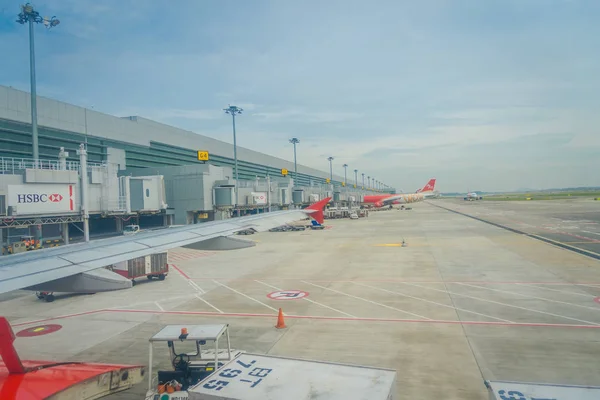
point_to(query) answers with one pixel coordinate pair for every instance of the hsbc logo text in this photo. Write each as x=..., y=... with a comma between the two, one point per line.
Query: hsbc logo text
x=39, y=198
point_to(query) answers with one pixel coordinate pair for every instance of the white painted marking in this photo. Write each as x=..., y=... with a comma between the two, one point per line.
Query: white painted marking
x=150, y=302
x=592, y=286
x=433, y=302
x=201, y=299
x=502, y=304
x=554, y=290
x=195, y=286
x=287, y=295
x=367, y=300
x=309, y=300
x=529, y=296
x=159, y=306
x=246, y=296
x=593, y=233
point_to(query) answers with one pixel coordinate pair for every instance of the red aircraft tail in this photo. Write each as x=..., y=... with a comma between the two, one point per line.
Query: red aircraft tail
x=318, y=206
x=429, y=187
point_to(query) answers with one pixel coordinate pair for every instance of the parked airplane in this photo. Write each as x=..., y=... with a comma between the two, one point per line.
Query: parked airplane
x=79, y=268
x=382, y=200
x=473, y=196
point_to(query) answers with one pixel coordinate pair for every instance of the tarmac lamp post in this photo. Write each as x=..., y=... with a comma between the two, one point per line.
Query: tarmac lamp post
x=368, y=183
x=330, y=169
x=295, y=141
x=345, y=170
x=233, y=110
x=363, y=180
x=356, y=177
x=29, y=15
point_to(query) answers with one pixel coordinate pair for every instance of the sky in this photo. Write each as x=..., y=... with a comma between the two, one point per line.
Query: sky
x=482, y=95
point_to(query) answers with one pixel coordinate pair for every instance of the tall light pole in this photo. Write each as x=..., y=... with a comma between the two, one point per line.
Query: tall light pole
x=363, y=176
x=295, y=141
x=330, y=170
x=345, y=175
x=356, y=177
x=29, y=15
x=369, y=182
x=233, y=110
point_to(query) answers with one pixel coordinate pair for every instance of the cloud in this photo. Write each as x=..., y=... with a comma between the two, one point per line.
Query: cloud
x=490, y=96
x=308, y=117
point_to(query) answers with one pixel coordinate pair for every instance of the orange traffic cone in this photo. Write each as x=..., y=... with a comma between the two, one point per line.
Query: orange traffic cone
x=280, y=322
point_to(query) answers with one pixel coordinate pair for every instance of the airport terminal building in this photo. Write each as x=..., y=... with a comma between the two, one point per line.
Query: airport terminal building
x=139, y=171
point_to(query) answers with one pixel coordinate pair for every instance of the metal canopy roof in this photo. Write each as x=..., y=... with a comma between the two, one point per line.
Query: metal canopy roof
x=195, y=332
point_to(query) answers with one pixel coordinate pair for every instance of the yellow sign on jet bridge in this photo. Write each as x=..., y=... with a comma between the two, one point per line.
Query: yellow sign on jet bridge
x=202, y=155
x=284, y=171
x=328, y=180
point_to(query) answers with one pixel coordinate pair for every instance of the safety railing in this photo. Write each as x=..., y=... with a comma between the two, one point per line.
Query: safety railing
x=14, y=165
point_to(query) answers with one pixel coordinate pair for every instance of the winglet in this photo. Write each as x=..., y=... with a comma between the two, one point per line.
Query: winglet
x=318, y=207
x=7, y=350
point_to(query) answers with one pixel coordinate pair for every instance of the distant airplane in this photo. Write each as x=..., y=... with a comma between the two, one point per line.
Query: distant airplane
x=473, y=196
x=79, y=268
x=382, y=200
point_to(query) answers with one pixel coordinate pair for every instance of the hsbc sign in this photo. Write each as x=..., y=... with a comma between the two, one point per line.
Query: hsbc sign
x=41, y=199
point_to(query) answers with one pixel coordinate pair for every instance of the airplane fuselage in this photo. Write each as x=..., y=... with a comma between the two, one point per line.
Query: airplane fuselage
x=380, y=200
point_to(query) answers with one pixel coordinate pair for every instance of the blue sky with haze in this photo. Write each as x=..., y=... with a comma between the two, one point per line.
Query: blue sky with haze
x=481, y=94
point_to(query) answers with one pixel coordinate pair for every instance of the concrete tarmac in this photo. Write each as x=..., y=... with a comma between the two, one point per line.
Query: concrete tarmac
x=574, y=223
x=464, y=301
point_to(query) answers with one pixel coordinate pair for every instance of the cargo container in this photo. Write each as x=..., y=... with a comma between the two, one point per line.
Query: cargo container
x=264, y=377
x=151, y=266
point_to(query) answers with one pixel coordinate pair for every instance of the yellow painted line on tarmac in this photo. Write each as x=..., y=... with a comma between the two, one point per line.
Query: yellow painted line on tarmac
x=389, y=245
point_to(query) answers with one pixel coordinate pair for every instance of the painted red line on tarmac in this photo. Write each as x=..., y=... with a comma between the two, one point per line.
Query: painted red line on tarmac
x=59, y=317
x=397, y=281
x=314, y=317
x=181, y=272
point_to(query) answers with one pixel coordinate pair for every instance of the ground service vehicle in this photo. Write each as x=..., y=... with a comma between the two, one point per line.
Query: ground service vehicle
x=226, y=374
x=152, y=266
x=131, y=229
x=188, y=368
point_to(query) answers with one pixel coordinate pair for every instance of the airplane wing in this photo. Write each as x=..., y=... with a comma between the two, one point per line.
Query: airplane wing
x=36, y=267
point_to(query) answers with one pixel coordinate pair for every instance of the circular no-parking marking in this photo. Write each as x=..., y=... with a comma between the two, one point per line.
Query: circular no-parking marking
x=39, y=330
x=287, y=295
x=597, y=299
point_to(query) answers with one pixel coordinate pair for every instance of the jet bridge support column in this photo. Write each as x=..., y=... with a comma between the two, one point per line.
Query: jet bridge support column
x=82, y=152
x=65, y=232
